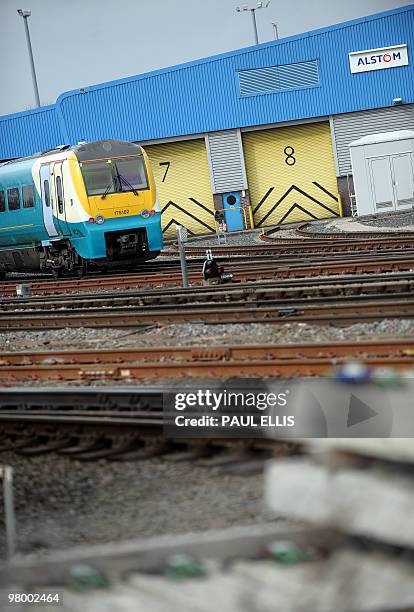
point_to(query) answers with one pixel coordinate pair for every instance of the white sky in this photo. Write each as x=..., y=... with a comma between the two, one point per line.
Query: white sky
x=82, y=42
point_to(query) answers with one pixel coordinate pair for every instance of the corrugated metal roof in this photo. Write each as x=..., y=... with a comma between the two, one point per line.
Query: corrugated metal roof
x=25, y=133
x=203, y=96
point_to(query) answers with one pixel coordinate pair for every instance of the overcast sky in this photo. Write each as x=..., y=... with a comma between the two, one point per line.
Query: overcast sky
x=82, y=42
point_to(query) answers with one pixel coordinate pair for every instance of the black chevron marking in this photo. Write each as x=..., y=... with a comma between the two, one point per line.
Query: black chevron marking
x=275, y=206
x=292, y=208
x=307, y=195
x=331, y=195
x=186, y=212
x=298, y=189
x=166, y=206
x=171, y=222
x=264, y=198
x=210, y=212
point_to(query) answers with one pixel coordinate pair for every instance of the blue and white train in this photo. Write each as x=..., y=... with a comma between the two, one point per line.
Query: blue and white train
x=73, y=208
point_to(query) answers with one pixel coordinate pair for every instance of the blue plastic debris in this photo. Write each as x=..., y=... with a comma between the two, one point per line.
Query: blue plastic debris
x=354, y=373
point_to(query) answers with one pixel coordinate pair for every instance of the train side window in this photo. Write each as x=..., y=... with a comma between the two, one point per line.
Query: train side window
x=28, y=196
x=47, y=192
x=59, y=193
x=13, y=199
x=2, y=201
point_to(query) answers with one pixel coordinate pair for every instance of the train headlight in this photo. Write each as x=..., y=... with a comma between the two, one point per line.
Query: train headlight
x=145, y=213
x=153, y=212
x=99, y=219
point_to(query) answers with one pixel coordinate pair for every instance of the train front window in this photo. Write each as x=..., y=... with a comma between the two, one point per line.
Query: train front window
x=108, y=176
x=99, y=177
x=131, y=173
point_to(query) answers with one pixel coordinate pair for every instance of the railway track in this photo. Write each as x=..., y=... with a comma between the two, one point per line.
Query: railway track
x=305, y=229
x=336, y=311
x=310, y=246
x=244, y=360
x=248, y=273
x=399, y=284
x=95, y=423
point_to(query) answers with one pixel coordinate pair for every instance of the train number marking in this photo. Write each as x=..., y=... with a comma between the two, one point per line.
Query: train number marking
x=121, y=212
x=166, y=170
x=290, y=160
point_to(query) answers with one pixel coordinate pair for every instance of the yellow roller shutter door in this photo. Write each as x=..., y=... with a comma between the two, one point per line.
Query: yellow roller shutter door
x=184, y=188
x=291, y=174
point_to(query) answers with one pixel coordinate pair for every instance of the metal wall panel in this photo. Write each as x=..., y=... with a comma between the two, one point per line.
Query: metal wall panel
x=226, y=161
x=203, y=96
x=352, y=126
x=291, y=174
x=26, y=133
x=184, y=189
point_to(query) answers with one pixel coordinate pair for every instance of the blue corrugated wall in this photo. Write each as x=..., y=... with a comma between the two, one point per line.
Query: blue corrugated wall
x=28, y=132
x=204, y=95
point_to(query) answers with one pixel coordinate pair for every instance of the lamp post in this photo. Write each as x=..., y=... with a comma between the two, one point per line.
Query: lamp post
x=253, y=10
x=26, y=15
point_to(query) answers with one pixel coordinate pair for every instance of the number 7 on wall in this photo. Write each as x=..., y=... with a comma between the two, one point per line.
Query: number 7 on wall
x=166, y=170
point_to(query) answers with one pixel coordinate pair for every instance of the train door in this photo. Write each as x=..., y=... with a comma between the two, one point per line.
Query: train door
x=46, y=201
x=59, y=208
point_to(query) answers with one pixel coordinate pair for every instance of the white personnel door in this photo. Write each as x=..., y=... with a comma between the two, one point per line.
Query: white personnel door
x=381, y=184
x=402, y=175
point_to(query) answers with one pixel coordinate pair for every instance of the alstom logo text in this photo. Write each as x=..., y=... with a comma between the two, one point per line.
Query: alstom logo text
x=374, y=59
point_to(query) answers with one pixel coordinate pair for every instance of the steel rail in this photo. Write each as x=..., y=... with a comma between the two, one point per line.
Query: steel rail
x=309, y=246
x=223, y=301
x=179, y=294
x=386, y=347
x=236, y=368
x=258, y=360
x=350, y=312
x=147, y=421
x=249, y=273
x=228, y=255
x=256, y=295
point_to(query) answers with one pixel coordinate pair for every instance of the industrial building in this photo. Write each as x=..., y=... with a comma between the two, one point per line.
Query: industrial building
x=262, y=132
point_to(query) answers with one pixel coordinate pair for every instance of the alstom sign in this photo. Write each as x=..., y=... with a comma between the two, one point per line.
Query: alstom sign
x=378, y=59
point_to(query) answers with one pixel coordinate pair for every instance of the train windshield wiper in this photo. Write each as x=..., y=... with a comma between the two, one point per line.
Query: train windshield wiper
x=127, y=183
x=105, y=193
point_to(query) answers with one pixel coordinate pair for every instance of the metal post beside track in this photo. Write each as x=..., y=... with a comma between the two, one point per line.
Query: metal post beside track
x=6, y=472
x=181, y=238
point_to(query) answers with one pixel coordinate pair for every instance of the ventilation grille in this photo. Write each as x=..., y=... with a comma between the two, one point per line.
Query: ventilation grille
x=227, y=164
x=278, y=78
x=384, y=205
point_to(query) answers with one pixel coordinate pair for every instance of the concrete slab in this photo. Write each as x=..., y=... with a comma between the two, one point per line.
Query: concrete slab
x=372, y=503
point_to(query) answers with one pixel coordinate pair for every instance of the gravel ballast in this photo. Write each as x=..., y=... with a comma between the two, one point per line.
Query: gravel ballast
x=387, y=222
x=62, y=502
x=200, y=334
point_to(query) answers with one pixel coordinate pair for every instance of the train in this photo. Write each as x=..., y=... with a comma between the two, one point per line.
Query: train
x=77, y=208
